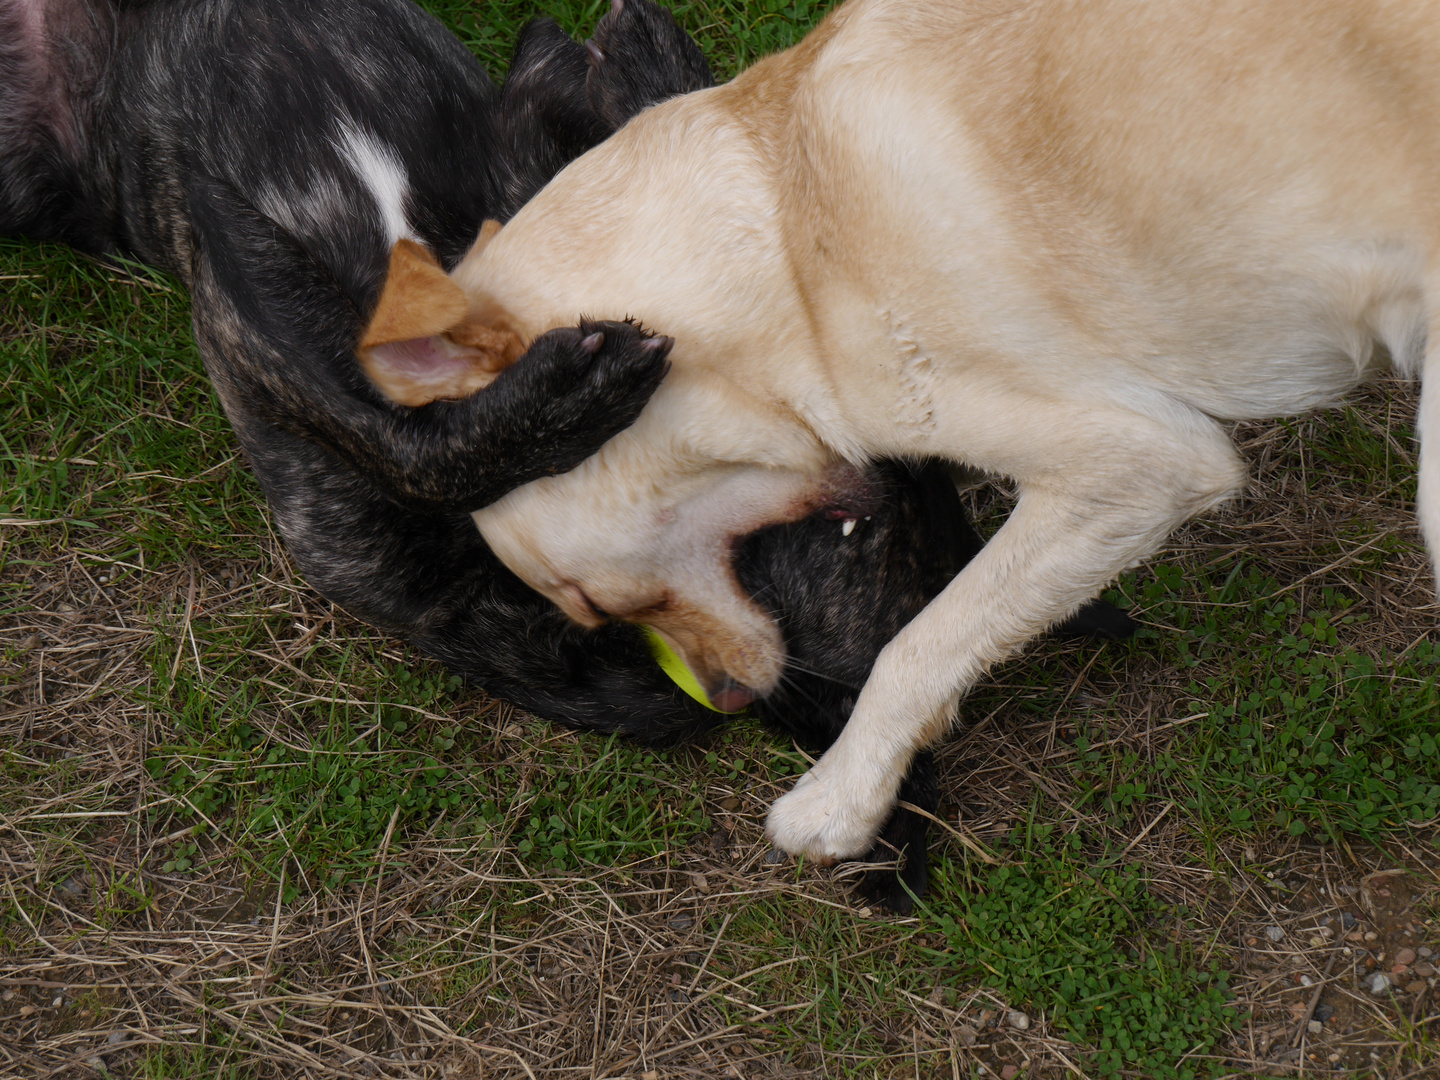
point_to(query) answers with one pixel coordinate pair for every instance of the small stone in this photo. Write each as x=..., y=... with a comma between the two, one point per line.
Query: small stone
x=1009, y=1072
x=30, y=641
x=650, y=1074
x=1333, y=1057
x=1324, y=1012
x=115, y=1038
x=700, y=881
x=1399, y=969
x=1274, y=933
x=865, y=913
x=1252, y=941
x=967, y=1034
x=9, y=995
x=1424, y=969
x=97, y=1063
x=1348, y=921
x=681, y=922
x=1355, y=935
x=732, y=804
x=1426, y=952
x=27, y=1011
x=1316, y=1027
x=1405, y=956
x=1415, y=987
x=775, y=857
x=57, y=1002
x=1018, y=1020
x=1371, y=935
x=1377, y=984
x=1306, y=980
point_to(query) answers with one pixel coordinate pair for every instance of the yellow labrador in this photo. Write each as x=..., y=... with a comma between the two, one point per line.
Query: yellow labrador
x=1055, y=241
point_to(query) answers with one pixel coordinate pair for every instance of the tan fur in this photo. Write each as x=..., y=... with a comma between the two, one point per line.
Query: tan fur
x=1053, y=240
x=420, y=301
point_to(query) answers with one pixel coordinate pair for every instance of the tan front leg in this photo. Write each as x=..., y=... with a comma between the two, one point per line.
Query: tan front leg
x=1069, y=536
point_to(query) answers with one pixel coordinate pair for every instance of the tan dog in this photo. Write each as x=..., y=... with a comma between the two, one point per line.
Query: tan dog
x=1056, y=241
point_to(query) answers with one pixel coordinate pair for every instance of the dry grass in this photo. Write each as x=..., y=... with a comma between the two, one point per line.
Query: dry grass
x=448, y=957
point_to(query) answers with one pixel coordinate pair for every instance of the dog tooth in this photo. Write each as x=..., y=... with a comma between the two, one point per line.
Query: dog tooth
x=848, y=527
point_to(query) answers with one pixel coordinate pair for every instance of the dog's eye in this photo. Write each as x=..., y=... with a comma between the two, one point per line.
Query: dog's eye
x=595, y=609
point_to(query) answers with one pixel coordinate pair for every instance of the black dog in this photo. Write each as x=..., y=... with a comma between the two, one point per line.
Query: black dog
x=269, y=153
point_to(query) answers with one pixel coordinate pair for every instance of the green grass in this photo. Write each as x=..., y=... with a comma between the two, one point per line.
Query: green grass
x=1058, y=933
x=117, y=453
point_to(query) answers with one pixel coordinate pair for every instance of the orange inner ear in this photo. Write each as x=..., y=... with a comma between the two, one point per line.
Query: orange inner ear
x=419, y=299
x=422, y=343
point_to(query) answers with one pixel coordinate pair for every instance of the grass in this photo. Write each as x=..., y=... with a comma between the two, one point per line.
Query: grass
x=254, y=838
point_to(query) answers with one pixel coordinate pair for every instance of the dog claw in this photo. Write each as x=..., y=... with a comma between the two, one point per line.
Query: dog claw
x=659, y=344
x=592, y=343
x=617, y=6
x=596, y=56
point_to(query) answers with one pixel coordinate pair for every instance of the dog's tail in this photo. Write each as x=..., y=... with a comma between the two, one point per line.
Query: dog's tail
x=54, y=66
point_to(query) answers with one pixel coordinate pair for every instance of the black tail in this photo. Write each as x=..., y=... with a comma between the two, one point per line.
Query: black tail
x=54, y=66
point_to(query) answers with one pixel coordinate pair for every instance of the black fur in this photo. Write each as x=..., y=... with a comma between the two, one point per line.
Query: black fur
x=202, y=136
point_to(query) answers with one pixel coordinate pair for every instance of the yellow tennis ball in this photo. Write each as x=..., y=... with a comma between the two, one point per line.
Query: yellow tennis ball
x=679, y=672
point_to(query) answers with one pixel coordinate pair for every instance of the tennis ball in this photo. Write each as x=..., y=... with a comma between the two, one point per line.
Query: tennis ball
x=679, y=672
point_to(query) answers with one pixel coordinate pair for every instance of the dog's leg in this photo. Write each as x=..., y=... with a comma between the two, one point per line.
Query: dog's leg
x=545, y=113
x=1068, y=536
x=559, y=100
x=640, y=56
x=1427, y=431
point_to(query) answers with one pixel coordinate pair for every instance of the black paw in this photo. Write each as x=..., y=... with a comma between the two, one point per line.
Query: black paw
x=902, y=848
x=639, y=56
x=1098, y=619
x=903, y=843
x=578, y=387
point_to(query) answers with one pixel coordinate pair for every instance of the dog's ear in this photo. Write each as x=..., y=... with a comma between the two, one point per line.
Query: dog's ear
x=421, y=344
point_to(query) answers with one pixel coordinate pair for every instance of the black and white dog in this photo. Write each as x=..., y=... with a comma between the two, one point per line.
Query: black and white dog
x=270, y=153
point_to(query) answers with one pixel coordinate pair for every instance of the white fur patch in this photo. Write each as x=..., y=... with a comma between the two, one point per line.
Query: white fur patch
x=383, y=175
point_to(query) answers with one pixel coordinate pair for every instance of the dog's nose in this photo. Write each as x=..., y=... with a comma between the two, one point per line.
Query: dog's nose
x=731, y=696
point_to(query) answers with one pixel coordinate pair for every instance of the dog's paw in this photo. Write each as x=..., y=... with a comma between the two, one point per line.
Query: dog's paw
x=822, y=819
x=639, y=56
x=902, y=850
x=575, y=388
x=1098, y=619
